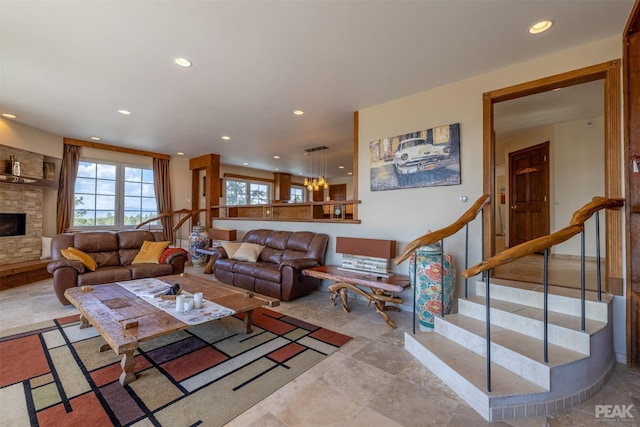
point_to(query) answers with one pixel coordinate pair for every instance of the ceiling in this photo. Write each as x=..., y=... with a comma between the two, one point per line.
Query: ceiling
x=67, y=67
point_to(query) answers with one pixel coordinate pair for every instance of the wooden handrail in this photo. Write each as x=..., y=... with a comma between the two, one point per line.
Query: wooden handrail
x=183, y=220
x=163, y=216
x=576, y=225
x=435, y=236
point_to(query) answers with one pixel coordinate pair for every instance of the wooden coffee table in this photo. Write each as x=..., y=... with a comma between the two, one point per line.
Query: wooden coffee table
x=124, y=319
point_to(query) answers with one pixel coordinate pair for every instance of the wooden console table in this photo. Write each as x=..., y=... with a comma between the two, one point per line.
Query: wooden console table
x=382, y=289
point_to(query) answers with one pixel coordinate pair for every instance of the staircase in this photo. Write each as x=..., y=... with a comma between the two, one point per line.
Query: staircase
x=522, y=384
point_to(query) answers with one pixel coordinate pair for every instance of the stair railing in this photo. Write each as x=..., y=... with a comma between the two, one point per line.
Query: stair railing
x=189, y=215
x=576, y=226
x=432, y=237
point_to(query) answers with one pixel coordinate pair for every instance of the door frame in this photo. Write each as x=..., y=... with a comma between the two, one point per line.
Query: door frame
x=545, y=175
x=609, y=72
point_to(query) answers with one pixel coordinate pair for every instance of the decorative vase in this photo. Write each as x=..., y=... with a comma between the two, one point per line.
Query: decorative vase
x=198, y=239
x=426, y=274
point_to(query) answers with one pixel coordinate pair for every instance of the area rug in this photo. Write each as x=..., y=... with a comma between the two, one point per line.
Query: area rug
x=52, y=373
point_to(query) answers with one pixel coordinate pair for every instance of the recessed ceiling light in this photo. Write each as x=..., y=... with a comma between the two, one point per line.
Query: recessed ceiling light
x=299, y=173
x=226, y=138
x=180, y=153
x=125, y=112
x=276, y=157
x=540, y=27
x=245, y=163
x=340, y=167
x=183, y=62
x=298, y=112
x=9, y=116
x=277, y=169
x=95, y=138
x=349, y=173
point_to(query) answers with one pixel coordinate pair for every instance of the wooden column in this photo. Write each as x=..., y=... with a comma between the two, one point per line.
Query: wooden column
x=210, y=163
x=282, y=187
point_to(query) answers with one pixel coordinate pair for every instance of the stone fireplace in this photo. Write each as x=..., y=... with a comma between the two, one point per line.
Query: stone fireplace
x=26, y=200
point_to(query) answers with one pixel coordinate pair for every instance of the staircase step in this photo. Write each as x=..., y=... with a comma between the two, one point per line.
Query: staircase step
x=519, y=353
x=466, y=373
x=560, y=300
x=563, y=330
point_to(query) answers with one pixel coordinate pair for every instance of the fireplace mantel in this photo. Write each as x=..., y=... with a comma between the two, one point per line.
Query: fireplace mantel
x=26, y=180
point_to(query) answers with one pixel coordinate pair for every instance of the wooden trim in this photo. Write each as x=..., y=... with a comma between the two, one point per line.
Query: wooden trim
x=488, y=174
x=248, y=178
x=607, y=71
x=613, y=171
x=100, y=146
x=631, y=83
x=354, y=176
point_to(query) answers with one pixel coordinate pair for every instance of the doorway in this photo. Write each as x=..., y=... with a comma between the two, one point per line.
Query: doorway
x=609, y=74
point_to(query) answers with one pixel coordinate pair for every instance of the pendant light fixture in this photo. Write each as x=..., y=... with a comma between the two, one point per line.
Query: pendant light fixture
x=316, y=175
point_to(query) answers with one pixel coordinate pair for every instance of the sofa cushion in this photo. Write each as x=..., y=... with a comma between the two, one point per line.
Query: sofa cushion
x=271, y=255
x=141, y=271
x=77, y=255
x=248, y=252
x=104, y=275
x=130, y=242
x=278, y=240
x=150, y=252
x=102, y=245
x=267, y=271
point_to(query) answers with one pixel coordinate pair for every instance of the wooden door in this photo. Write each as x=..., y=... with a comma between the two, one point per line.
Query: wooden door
x=631, y=86
x=528, y=194
x=338, y=192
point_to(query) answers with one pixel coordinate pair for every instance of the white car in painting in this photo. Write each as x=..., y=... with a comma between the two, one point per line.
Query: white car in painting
x=417, y=155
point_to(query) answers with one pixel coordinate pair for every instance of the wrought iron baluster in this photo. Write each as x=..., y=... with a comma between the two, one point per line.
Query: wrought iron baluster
x=488, y=329
x=582, y=279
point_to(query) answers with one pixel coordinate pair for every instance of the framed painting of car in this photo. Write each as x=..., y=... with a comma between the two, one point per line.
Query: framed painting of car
x=426, y=158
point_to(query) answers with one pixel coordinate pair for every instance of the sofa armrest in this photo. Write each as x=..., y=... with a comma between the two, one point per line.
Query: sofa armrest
x=63, y=262
x=171, y=254
x=299, y=263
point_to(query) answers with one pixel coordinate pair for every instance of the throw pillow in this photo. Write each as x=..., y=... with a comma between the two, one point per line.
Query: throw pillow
x=150, y=252
x=231, y=248
x=248, y=252
x=46, y=248
x=170, y=251
x=77, y=255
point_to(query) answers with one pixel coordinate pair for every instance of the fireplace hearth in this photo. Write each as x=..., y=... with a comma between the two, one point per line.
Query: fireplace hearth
x=13, y=224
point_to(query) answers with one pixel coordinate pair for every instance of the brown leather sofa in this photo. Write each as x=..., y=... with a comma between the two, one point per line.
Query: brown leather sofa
x=113, y=252
x=278, y=271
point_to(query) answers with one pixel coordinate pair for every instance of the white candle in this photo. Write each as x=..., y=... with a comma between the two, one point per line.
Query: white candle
x=197, y=300
x=180, y=303
x=188, y=304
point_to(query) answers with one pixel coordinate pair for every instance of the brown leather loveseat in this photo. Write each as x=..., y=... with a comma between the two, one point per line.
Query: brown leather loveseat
x=113, y=252
x=278, y=270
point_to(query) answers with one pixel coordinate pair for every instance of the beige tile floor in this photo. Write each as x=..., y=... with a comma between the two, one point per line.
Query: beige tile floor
x=372, y=381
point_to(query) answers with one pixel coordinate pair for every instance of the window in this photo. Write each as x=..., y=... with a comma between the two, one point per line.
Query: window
x=113, y=195
x=297, y=194
x=246, y=192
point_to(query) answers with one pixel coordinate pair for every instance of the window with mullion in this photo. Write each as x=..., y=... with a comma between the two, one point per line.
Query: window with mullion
x=113, y=195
